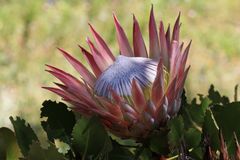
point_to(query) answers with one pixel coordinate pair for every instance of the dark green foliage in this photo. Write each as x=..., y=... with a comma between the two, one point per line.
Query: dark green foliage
x=192, y=137
x=90, y=138
x=197, y=153
x=8, y=144
x=159, y=142
x=210, y=131
x=60, y=121
x=36, y=152
x=215, y=96
x=24, y=134
x=228, y=118
x=193, y=114
x=120, y=152
x=176, y=130
x=192, y=134
x=202, y=121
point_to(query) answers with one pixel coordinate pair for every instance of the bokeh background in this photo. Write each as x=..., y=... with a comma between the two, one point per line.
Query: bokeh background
x=31, y=30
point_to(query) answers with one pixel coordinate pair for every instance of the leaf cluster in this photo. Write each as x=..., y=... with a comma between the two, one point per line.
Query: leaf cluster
x=205, y=128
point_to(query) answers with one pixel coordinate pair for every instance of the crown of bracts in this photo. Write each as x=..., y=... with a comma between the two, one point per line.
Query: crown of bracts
x=133, y=92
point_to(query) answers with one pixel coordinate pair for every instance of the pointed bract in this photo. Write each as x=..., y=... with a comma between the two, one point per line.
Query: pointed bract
x=138, y=96
x=163, y=45
x=158, y=85
x=168, y=39
x=99, y=59
x=96, y=70
x=102, y=46
x=154, y=49
x=83, y=71
x=138, y=42
x=176, y=29
x=125, y=48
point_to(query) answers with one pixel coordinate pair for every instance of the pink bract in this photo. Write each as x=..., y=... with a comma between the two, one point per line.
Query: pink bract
x=134, y=106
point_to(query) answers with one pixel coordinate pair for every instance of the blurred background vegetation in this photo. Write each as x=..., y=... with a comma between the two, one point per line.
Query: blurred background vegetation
x=31, y=30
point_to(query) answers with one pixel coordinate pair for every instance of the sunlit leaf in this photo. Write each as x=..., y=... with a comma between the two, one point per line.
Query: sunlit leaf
x=128, y=142
x=61, y=146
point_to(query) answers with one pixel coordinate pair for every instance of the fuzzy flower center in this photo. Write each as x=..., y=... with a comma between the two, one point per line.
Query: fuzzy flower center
x=120, y=74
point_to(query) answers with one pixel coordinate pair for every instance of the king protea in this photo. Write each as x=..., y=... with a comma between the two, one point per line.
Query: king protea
x=133, y=92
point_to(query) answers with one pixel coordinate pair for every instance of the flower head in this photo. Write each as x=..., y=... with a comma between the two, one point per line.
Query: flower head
x=133, y=92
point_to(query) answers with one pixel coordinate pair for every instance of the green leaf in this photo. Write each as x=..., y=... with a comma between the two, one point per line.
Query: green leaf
x=183, y=99
x=159, y=142
x=60, y=121
x=24, y=134
x=90, y=138
x=8, y=144
x=196, y=153
x=205, y=102
x=124, y=142
x=193, y=118
x=192, y=137
x=216, y=97
x=227, y=118
x=146, y=154
x=175, y=135
x=36, y=152
x=211, y=130
x=194, y=113
x=120, y=153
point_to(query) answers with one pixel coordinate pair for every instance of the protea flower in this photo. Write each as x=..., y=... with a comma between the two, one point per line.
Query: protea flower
x=133, y=92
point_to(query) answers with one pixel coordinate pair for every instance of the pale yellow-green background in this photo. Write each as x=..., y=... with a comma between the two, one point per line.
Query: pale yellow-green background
x=30, y=31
